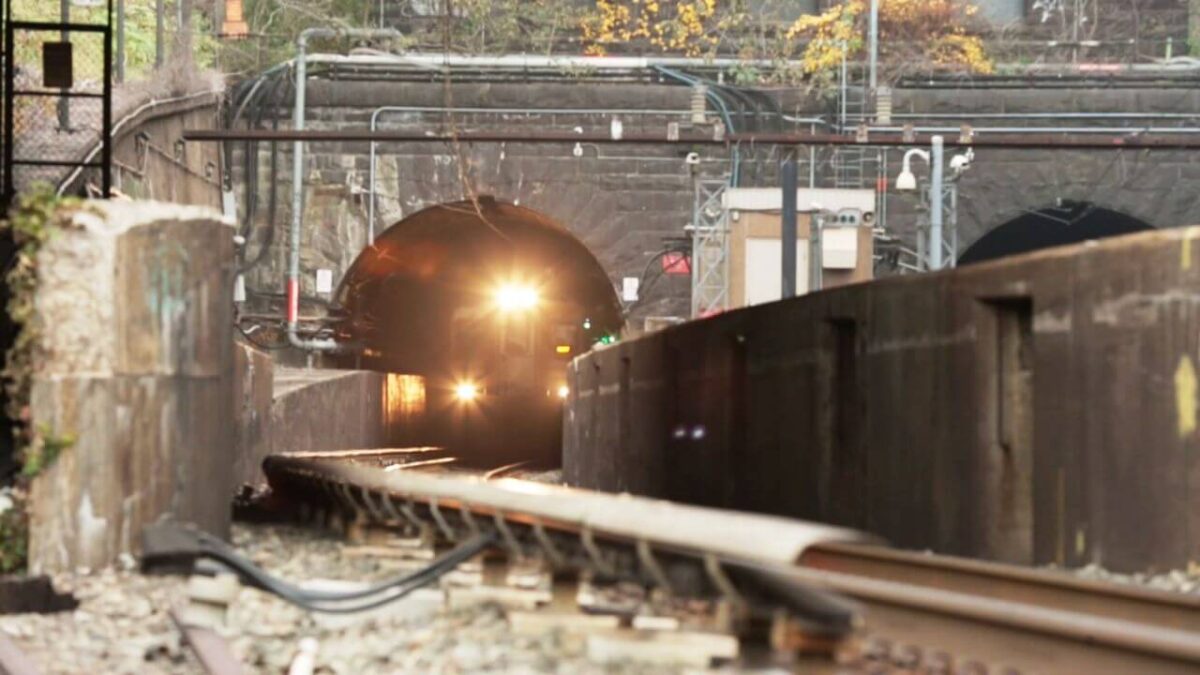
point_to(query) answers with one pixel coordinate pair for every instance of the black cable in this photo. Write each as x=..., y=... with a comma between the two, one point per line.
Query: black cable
x=272, y=199
x=644, y=285
x=258, y=344
x=394, y=588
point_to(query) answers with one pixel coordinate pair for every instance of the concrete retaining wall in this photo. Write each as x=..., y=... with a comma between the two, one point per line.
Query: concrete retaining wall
x=133, y=310
x=297, y=410
x=1038, y=409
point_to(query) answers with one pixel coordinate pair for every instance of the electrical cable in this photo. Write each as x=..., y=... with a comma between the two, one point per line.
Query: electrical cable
x=260, y=345
x=391, y=590
x=645, y=285
x=278, y=88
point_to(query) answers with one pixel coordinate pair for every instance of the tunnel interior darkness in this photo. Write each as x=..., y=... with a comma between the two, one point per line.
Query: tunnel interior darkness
x=400, y=295
x=424, y=300
x=1065, y=223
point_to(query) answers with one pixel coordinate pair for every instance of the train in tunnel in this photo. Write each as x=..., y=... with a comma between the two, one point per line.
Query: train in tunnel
x=488, y=302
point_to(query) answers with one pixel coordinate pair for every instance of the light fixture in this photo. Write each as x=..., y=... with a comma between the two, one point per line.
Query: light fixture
x=907, y=181
x=466, y=391
x=563, y=391
x=515, y=297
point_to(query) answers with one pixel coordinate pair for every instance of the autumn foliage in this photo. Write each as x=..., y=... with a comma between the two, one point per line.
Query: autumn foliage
x=912, y=33
x=682, y=27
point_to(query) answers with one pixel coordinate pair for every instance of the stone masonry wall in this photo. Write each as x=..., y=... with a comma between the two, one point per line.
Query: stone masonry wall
x=623, y=201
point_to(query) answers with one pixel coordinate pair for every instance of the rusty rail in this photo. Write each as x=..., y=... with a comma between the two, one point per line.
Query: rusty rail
x=618, y=537
x=211, y=649
x=1041, y=588
x=920, y=611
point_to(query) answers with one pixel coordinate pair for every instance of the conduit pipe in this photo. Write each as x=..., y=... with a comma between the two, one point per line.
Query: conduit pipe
x=1131, y=132
x=438, y=61
x=293, y=274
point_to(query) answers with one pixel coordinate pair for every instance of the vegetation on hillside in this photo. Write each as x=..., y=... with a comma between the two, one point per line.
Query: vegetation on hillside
x=200, y=41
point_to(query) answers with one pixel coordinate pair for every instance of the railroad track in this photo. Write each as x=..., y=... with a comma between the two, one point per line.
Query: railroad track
x=821, y=591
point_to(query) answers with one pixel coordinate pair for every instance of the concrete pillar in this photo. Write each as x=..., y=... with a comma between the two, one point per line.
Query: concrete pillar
x=134, y=318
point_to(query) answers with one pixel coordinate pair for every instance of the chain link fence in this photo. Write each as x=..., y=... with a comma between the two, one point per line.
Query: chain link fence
x=59, y=101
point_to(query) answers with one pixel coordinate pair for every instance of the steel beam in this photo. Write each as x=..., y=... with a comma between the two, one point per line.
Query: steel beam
x=1189, y=141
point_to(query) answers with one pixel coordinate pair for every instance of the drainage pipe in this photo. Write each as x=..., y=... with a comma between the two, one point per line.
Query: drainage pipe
x=293, y=274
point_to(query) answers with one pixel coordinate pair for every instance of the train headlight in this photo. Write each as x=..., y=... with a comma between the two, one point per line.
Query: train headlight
x=466, y=391
x=563, y=391
x=515, y=297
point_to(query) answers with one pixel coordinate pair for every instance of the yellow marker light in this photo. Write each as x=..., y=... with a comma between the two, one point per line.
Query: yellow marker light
x=563, y=391
x=466, y=391
x=563, y=349
x=515, y=297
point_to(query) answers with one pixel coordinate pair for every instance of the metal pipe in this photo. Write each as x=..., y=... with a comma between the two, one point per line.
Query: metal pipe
x=438, y=60
x=293, y=275
x=64, y=101
x=1049, y=115
x=375, y=115
x=873, y=41
x=120, y=40
x=816, y=251
x=1019, y=141
x=1130, y=132
x=787, y=231
x=935, y=204
x=159, y=37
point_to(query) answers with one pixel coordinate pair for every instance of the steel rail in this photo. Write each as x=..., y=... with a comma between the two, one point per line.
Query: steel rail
x=915, y=622
x=619, y=536
x=213, y=652
x=1042, y=588
x=1133, y=141
x=751, y=537
x=978, y=613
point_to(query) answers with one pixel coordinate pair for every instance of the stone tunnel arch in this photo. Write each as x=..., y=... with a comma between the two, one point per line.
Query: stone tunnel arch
x=1064, y=223
x=421, y=301
x=399, y=294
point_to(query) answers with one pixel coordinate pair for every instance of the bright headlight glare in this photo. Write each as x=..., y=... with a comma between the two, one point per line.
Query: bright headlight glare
x=563, y=391
x=514, y=297
x=466, y=391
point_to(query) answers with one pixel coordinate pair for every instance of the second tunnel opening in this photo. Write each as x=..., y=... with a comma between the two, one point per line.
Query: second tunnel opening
x=488, y=302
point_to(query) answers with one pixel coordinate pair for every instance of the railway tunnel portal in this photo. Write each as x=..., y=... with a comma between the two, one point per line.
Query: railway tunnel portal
x=487, y=301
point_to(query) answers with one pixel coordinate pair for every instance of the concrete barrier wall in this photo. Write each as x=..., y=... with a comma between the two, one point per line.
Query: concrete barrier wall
x=282, y=409
x=133, y=313
x=1038, y=409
